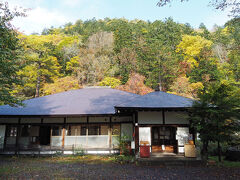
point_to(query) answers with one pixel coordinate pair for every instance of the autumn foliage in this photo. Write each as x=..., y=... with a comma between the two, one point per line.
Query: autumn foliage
x=136, y=85
x=61, y=85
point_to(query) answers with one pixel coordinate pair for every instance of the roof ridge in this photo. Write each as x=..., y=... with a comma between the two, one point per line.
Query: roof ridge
x=170, y=94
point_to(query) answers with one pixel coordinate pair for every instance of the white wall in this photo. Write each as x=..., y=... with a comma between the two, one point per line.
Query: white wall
x=151, y=117
x=176, y=117
x=2, y=135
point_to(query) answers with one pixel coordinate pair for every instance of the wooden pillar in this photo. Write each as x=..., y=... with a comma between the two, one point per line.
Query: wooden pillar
x=5, y=138
x=63, y=136
x=51, y=138
x=136, y=134
x=110, y=133
x=192, y=129
x=63, y=133
x=163, y=116
x=17, y=136
x=87, y=131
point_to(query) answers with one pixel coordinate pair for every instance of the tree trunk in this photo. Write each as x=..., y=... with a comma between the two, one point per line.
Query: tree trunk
x=219, y=152
x=204, y=152
x=160, y=83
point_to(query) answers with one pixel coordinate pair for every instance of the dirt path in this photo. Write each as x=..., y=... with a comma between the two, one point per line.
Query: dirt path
x=34, y=169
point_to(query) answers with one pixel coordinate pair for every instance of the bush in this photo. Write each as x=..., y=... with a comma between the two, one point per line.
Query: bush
x=79, y=151
x=233, y=153
x=213, y=148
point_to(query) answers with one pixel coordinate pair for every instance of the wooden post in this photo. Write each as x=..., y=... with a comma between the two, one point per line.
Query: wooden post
x=110, y=133
x=17, y=135
x=136, y=139
x=136, y=134
x=87, y=131
x=63, y=136
x=51, y=140
x=5, y=138
x=163, y=116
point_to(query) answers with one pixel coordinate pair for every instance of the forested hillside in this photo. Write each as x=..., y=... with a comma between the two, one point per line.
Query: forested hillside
x=135, y=56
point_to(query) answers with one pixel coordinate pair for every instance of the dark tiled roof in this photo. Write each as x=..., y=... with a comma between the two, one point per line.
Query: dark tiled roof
x=158, y=99
x=74, y=102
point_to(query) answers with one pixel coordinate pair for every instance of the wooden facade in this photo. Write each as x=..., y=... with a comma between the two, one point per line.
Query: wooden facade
x=94, y=120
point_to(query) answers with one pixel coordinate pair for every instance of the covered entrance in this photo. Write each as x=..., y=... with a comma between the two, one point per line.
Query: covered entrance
x=164, y=139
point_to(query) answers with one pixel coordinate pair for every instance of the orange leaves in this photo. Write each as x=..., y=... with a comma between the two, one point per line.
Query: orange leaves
x=135, y=84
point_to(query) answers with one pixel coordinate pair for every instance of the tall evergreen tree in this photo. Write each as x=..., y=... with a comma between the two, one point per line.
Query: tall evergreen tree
x=9, y=55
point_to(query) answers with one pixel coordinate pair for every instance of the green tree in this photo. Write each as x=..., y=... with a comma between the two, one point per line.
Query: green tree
x=39, y=66
x=10, y=51
x=216, y=115
x=158, y=61
x=217, y=4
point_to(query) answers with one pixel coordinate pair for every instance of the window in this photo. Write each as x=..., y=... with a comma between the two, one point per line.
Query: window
x=11, y=131
x=73, y=130
x=83, y=130
x=56, y=131
x=104, y=130
x=93, y=130
x=116, y=130
x=25, y=131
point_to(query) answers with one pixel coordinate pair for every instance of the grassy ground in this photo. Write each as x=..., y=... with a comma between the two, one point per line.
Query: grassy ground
x=225, y=163
x=88, y=159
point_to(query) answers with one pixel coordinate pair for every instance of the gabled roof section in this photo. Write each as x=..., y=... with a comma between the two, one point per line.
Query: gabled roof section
x=158, y=99
x=75, y=102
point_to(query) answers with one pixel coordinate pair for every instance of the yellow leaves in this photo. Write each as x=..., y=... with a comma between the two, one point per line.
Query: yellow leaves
x=144, y=30
x=110, y=81
x=61, y=85
x=192, y=61
x=38, y=42
x=196, y=86
x=225, y=31
x=192, y=46
x=72, y=63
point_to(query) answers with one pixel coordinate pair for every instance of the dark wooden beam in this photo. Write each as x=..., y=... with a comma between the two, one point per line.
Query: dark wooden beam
x=5, y=138
x=163, y=116
x=17, y=135
x=110, y=132
x=136, y=133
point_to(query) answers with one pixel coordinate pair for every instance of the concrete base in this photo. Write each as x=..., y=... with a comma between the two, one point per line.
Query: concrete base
x=63, y=152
